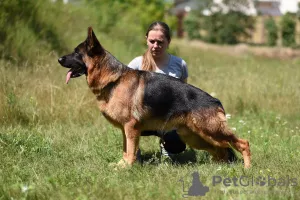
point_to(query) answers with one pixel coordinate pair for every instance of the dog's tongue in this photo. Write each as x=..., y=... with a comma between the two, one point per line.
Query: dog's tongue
x=68, y=77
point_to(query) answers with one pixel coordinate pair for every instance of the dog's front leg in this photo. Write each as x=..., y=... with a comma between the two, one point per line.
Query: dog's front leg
x=124, y=146
x=132, y=141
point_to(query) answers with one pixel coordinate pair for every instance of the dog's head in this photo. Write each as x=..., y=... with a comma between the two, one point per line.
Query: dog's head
x=78, y=61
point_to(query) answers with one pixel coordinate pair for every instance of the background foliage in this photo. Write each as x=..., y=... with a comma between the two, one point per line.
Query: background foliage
x=228, y=28
x=43, y=26
x=220, y=26
x=272, y=31
x=26, y=24
x=129, y=19
x=288, y=30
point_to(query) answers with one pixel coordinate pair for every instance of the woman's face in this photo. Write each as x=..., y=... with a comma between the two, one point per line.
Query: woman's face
x=157, y=43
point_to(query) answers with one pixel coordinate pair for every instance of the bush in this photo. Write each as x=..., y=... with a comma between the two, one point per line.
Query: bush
x=129, y=20
x=191, y=26
x=288, y=30
x=219, y=26
x=272, y=30
x=25, y=30
x=227, y=28
x=29, y=28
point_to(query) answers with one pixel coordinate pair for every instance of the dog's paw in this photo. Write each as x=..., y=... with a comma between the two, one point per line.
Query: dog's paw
x=122, y=164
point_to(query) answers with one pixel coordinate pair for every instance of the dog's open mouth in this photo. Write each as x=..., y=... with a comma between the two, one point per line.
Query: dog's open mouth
x=76, y=64
x=73, y=73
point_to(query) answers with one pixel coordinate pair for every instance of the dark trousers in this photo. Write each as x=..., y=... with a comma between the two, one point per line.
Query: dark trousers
x=170, y=140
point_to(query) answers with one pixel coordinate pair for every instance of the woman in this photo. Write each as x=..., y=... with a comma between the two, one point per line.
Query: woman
x=157, y=59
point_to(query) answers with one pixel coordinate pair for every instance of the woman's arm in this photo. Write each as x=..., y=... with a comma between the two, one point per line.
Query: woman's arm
x=184, y=71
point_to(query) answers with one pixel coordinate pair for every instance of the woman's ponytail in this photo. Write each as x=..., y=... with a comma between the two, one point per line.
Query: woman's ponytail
x=148, y=63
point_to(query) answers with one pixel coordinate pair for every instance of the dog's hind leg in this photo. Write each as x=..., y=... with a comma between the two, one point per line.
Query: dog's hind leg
x=196, y=142
x=226, y=138
x=215, y=131
x=243, y=147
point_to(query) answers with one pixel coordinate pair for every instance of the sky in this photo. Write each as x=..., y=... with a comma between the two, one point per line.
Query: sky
x=289, y=5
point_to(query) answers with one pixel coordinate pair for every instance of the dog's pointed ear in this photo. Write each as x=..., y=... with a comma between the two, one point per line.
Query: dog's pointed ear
x=91, y=38
x=92, y=43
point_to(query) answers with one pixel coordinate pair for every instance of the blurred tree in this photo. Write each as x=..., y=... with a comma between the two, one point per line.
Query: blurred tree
x=272, y=30
x=128, y=18
x=288, y=30
x=224, y=25
x=193, y=21
x=191, y=26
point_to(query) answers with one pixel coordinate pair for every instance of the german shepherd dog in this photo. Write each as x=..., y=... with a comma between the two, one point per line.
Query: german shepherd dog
x=137, y=101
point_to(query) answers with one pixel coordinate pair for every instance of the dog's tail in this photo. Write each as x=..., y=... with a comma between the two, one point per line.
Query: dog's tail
x=232, y=158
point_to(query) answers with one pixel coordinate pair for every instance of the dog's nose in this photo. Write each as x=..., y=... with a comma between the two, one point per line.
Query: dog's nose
x=62, y=59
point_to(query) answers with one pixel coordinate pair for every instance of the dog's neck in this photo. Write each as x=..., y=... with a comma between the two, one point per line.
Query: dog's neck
x=108, y=68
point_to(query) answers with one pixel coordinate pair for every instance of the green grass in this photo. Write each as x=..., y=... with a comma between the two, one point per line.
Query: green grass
x=54, y=143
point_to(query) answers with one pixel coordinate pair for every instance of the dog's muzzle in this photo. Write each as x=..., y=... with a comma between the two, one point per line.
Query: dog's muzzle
x=62, y=60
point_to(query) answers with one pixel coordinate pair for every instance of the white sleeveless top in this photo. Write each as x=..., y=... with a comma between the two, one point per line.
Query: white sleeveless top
x=176, y=67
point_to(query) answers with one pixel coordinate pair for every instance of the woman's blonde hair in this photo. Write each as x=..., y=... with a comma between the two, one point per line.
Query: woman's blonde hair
x=148, y=63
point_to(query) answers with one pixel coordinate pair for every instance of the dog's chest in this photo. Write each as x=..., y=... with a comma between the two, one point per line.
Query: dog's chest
x=114, y=111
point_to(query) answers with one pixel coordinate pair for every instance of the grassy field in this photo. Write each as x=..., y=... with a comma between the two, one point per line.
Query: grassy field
x=54, y=143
